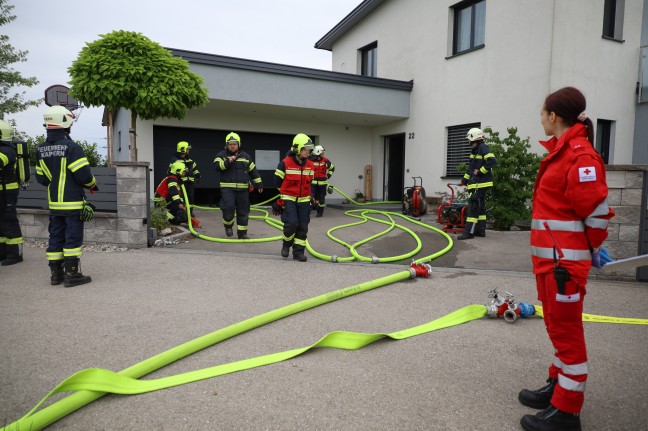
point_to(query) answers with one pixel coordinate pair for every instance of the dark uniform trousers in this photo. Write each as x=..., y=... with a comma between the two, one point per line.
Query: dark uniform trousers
x=65, y=237
x=235, y=201
x=9, y=226
x=476, y=217
x=295, y=218
x=179, y=215
x=318, y=192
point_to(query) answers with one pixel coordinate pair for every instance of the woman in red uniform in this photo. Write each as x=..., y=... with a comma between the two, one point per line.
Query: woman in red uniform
x=570, y=197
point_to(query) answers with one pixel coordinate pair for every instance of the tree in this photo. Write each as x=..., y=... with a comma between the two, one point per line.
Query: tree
x=9, y=78
x=127, y=70
x=513, y=177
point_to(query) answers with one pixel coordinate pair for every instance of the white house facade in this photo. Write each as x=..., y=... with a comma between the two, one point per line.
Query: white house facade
x=409, y=77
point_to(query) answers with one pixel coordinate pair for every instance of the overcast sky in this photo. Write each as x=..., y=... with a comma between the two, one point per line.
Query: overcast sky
x=278, y=31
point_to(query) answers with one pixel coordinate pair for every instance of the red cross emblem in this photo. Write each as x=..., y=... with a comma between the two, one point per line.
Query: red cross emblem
x=587, y=171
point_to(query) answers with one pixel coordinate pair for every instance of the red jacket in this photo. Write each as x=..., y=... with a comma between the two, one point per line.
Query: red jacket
x=571, y=195
x=294, y=179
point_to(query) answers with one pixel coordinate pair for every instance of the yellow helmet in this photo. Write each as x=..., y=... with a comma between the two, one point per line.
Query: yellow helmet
x=182, y=147
x=6, y=131
x=178, y=168
x=58, y=117
x=233, y=137
x=300, y=141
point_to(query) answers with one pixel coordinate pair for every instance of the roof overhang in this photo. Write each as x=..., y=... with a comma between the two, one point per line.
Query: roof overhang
x=249, y=87
x=356, y=15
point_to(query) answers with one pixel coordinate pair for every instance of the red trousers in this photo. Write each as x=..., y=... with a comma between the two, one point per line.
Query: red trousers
x=563, y=316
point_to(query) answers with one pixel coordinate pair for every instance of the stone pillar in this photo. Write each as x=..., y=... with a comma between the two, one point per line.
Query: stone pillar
x=133, y=202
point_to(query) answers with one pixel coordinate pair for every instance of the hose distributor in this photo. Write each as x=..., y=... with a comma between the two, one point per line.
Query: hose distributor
x=420, y=270
x=506, y=307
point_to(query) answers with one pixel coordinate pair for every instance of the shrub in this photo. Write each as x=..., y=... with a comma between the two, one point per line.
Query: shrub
x=159, y=218
x=513, y=177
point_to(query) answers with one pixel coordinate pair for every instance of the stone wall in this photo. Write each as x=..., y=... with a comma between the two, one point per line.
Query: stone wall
x=626, y=185
x=128, y=227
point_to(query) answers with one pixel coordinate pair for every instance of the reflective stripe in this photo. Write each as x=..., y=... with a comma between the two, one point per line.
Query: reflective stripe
x=91, y=183
x=3, y=239
x=303, y=199
x=10, y=186
x=252, y=166
x=79, y=164
x=256, y=180
x=288, y=198
x=556, y=362
x=72, y=252
x=596, y=223
x=45, y=170
x=482, y=217
x=472, y=219
x=280, y=174
x=293, y=171
x=66, y=205
x=601, y=210
x=4, y=159
x=299, y=241
x=13, y=241
x=575, y=369
x=489, y=155
x=320, y=182
x=571, y=385
x=221, y=162
x=570, y=254
x=234, y=185
x=567, y=226
x=62, y=179
x=240, y=227
x=288, y=238
x=54, y=255
x=568, y=298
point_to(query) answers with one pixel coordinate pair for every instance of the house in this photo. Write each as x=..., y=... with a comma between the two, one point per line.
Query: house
x=408, y=79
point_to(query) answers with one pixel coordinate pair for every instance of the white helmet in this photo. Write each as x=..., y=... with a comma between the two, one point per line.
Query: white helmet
x=474, y=134
x=58, y=117
x=6, y=131
x=318, y=150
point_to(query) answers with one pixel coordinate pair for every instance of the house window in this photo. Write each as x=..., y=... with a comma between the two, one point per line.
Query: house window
x=604, y=138
x=369, y=60
x=458, y=150
x=643, y=74
x=613, y=19
x=469, y=25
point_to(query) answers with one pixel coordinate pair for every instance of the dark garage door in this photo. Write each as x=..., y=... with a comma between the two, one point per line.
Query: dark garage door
x=205, y=145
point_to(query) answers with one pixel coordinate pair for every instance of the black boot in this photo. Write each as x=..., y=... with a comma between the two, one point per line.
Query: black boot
x=285, y=250
x=243, y=235
x=14, y=255
x=229, y=231
x=56, y=266
x=300, y=257
x=540, y=398
x=465, y=236
x=73, y=276
x=3, y=251
x=551, y=419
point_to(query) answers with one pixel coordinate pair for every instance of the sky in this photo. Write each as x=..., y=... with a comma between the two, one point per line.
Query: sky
x=53, y=33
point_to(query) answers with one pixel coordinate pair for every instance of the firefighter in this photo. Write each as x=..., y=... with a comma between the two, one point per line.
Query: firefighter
x=63, y=168
x=323, y=171
x=237, y=173
x=10, y=234
x=193, y=174
x=570, y=196
x=170, y=191
x=479, y=179
x=294, y=176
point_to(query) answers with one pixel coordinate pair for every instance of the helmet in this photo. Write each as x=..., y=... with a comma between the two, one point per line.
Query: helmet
x=318, y=150
x=58, y=117
x=6, y=131
x=178, y=168
x=300, y=141
x=232, y=137
x=183, y=146
x=474, y=134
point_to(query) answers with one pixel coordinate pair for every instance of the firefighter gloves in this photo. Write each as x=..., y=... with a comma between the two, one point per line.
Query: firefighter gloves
x=87, y=212
x=278, y=207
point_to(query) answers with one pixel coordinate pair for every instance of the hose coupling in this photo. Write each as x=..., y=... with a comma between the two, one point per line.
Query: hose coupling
x=420, y=270
x=334, y=258
x=375, y=259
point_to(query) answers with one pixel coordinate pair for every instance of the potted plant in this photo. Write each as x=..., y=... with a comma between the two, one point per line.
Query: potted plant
x=359, y=197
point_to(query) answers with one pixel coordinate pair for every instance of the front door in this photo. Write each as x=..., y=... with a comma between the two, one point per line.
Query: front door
x=394, y=167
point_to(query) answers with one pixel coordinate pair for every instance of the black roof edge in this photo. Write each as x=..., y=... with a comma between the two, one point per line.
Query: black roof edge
x=284, y=69
x=357, y=14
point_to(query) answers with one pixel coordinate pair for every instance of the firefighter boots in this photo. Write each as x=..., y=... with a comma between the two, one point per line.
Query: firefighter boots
x=465, y=236
x=551, y=419
x=13, y=255
x=73, y=276
x=243, y=236
x=285, y=250
x=56, y=266
x=300, y=257
x=229, y=231
x=540, y=398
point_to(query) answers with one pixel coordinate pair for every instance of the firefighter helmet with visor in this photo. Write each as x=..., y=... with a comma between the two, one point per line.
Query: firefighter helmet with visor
x=58, y=117
x=6, y=131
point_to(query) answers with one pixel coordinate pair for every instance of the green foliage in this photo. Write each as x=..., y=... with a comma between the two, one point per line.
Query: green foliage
x=513, y=177
x=159, y=218
x=90, y=150
x=126, y=69
x=9, y=77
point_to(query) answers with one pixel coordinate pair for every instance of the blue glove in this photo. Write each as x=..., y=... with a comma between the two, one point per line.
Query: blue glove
x=601, y=258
